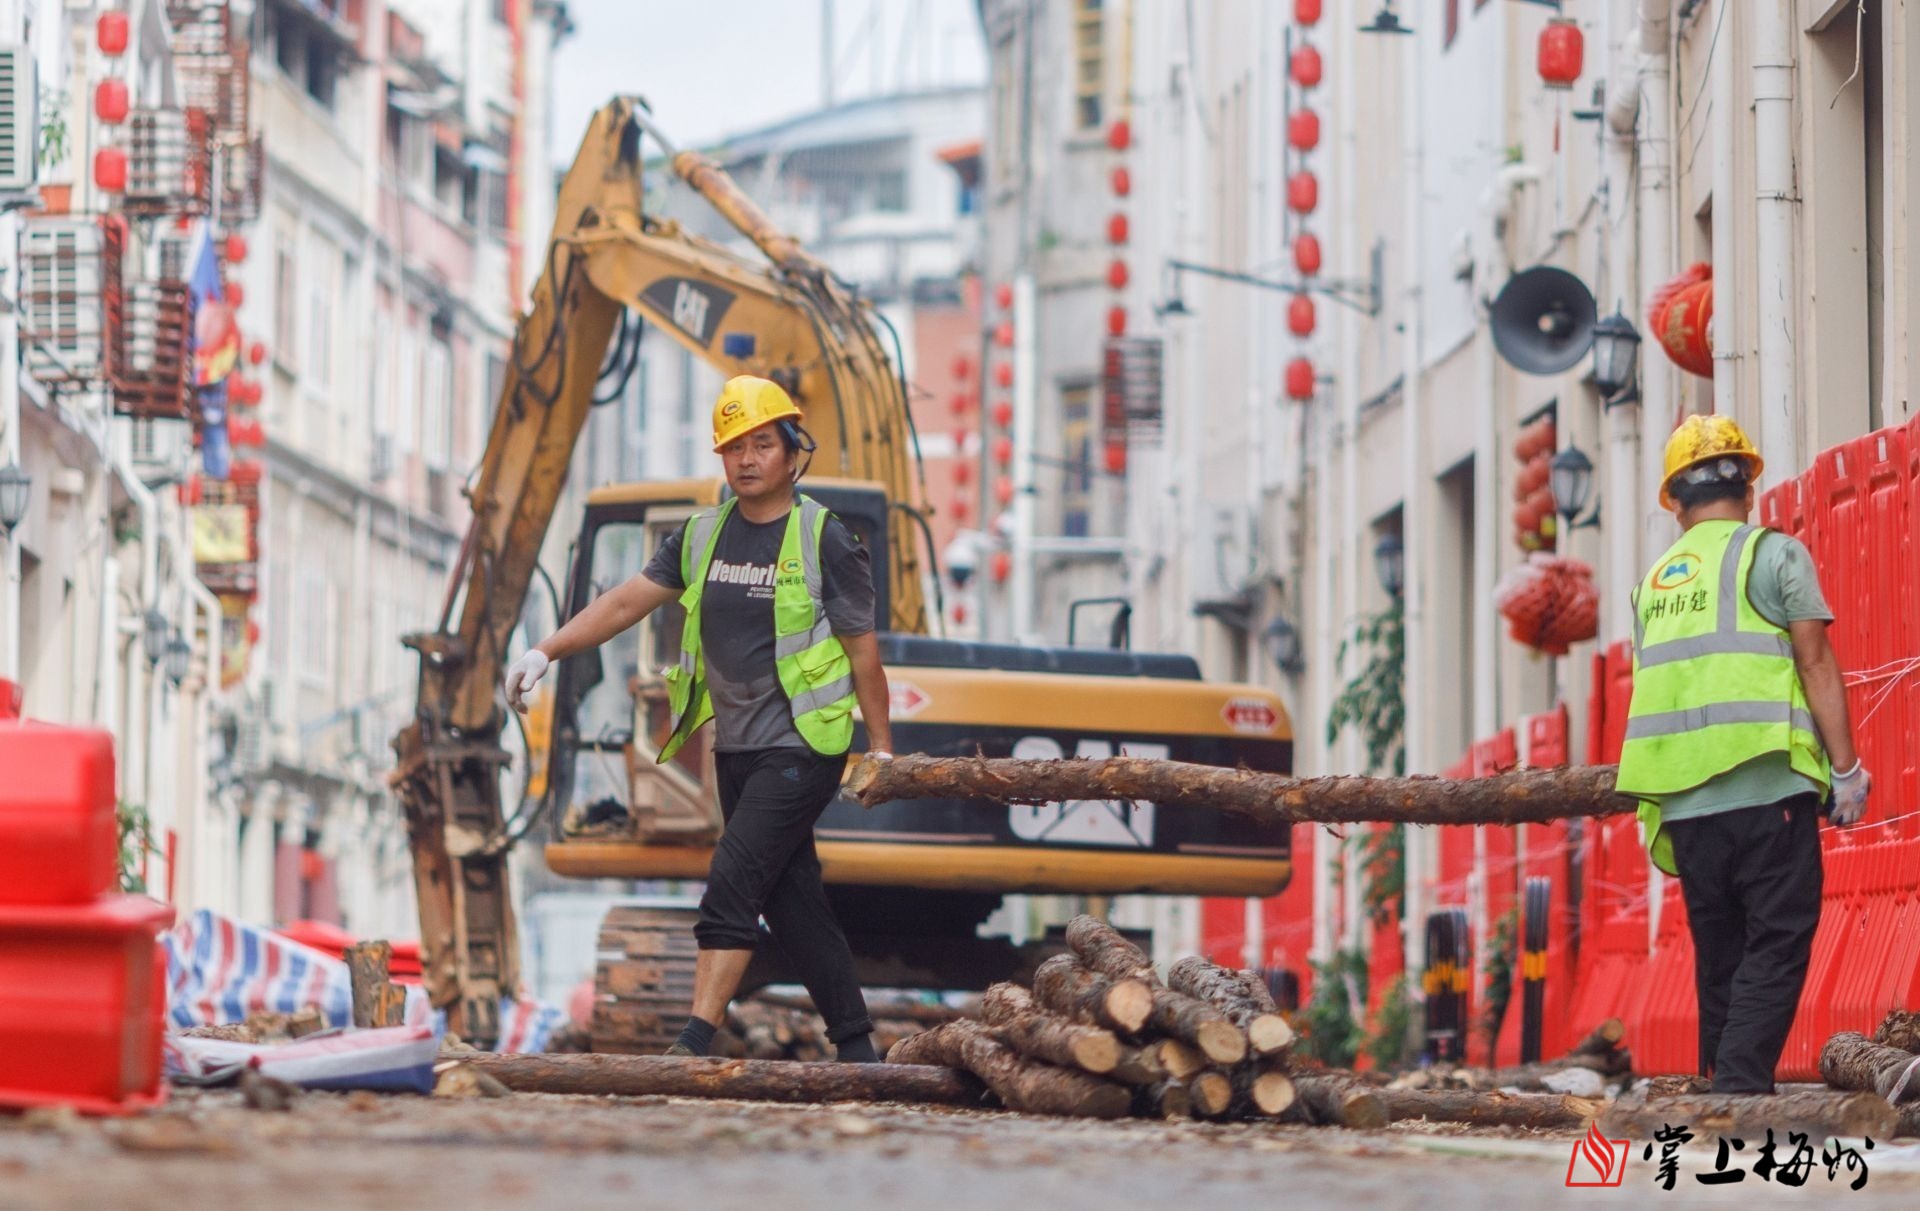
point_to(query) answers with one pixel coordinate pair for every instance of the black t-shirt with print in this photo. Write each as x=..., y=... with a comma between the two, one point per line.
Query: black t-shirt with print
x=750, y=709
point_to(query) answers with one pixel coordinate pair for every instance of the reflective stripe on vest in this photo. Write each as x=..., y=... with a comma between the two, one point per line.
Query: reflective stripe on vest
x=1715, y=685
x=813, y=668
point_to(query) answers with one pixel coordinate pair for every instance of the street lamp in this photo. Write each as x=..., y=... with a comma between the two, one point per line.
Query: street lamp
x=1283, y=645
x=1386, y=21
x=179, y=660
x=1390, y=563
x=16, y=487
x=153, y=636
x=1570, y=479
x=1616, y=353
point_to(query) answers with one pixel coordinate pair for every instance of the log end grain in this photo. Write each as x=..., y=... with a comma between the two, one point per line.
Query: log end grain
x=1271, y=1093
x=1223, y=1042
x=1269, y=1034
x=1181, y=1060
x=1129, y=1004
x=1098, y=1053
x=1164, y=1099
x=1211, y=1094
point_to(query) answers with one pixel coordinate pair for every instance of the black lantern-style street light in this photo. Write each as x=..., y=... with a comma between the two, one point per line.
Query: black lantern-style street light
x=179, y=660
x=1570, y=479
x=1386, y=21
x=153, y=636
x=16, y=488
x=1616, y=357
x=1282, y=640
x=1390, y=563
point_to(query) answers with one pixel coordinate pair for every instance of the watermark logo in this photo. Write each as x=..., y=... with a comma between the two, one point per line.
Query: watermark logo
x=1597, y=1160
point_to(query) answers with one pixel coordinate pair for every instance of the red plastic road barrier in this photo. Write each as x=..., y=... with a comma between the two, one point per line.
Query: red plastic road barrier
x=83, y=1002
x=59, y=841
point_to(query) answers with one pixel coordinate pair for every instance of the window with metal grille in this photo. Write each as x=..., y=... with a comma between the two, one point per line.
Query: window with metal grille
x=1090, y=62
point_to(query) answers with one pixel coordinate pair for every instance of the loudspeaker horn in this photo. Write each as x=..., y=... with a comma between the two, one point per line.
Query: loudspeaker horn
x=1543, y=320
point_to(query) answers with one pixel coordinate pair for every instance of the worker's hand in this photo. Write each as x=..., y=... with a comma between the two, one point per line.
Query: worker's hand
x=523, y=675
x=879, y=754
x=1850, y=794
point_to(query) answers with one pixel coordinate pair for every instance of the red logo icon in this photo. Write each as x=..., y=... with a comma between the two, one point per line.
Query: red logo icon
x=906, y=699
x=1597, y=1160
x=1249, y=715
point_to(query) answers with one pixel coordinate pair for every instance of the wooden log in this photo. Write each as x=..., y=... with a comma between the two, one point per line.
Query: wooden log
x=1493, y=1108
x=1020, y=1083
x=1261, y=1090
x=1336, y=1100
x=748, y=1080
x=1533, y=796
x=1851, y=1060
x=1532, y=1077
x=1139, y=1066
x=1900, y=1028
x=1163, y=1099
x=1102, y=948
x=1181, y=1060
x=1107, y=951
x=1066, y=986
x=1233, y=993
x=1037, y=1034
x=377, y=1000
x=1603, y=1040
x=1210, y=1094
x=1909, y=1124
x=906, y=1011
x=1822, y=1113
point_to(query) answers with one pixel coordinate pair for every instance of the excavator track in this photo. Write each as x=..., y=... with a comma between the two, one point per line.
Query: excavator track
x=643, y=979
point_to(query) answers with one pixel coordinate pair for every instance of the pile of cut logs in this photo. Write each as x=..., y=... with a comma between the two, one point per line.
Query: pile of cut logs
x=1101, y=1035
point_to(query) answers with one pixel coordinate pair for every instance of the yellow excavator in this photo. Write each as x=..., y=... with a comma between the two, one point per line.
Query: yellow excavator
x=911, y=881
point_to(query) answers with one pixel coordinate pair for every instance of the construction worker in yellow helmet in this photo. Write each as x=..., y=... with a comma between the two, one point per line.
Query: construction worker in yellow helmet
x=1737, y=740
x=777, y=648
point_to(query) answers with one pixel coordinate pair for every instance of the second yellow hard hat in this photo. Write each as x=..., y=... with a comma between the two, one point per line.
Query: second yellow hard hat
x=1704, y=439
x=746, y=403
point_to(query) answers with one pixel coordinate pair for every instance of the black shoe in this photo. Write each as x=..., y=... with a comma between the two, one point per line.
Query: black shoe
x=682, y=1050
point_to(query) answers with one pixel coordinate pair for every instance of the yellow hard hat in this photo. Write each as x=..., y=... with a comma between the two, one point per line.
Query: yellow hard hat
x=745, y=404
x=1701, y=440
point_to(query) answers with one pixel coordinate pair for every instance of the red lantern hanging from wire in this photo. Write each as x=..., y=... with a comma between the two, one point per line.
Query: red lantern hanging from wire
x=1306, y=12
x=1117, y=229
x=1303, y=130
x=962, y=367
x=1003, y=450
x=1003, y=374
x=234, y=249
x=1117, y=275
x=1001, y=565
x=1306, y=253
x=1562, y=53
x=1122, y=181
x=1300, y=315
x=1003, y=490
x=1003, y=413
x=1003, y=334
x=1306, y=67
x=110, y=170
x=1116, y=458
x=111, y=33
x=962, y=471
x=959, y=402
x=1120, y=135
x=256, y=353
x=1300, y=380
x=110, y=103
x=1303, y=192
x=1003, y=296
x=1116, y=321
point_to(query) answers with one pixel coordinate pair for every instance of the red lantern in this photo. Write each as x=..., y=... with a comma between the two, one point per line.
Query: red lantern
x=1003, y=334
x=1562, y=50
x=1003, y=450
x=246, y=472
x=1117, y=229
x=1300, y=315
x=1003, y=413
x=1303, y=130
x=1306, y=67
x=235, y=249
x=958, y=402
x=1306, y=254
x=962, y=471
x=1001, y=565
x=959, y=610
x=1003, y=374
x=1681, y=317
x=1306, y=12
x=110, y=34
x=1116, y=458
x=1003, y=296
x=1116, y=321
x=963, y=367
x=1117, y=275
x=1122, y=182
x=1300, y=380
x=235, y=292
x=110, y=170
x=110, y=101
x=1303, y=192
x=1003, y=490
x=1120, y=135
x=246, y=432
x=962, y=510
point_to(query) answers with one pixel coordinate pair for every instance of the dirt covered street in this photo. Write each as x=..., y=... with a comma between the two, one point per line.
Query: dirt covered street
x=208, y=1152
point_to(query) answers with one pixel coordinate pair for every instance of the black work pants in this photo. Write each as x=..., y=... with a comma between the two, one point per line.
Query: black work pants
x=1751, y=879
x=766, y=865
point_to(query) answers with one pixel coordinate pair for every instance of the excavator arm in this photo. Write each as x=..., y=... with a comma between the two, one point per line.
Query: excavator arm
x=789, y=320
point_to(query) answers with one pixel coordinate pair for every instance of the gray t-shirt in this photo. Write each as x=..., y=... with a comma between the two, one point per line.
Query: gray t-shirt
x=1784, y=588
x=750, y=709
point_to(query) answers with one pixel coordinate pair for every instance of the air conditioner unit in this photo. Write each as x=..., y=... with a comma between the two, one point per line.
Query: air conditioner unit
x=19, y=119
x=161, y=448
x=69, y=265
x=382, y=457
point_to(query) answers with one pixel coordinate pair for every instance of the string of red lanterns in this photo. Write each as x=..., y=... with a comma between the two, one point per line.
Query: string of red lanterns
x=1119, y=234
x=1305, y=69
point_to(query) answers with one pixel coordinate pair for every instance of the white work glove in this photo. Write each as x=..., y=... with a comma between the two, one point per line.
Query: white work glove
x=522, y=675
x=1850, y=789
x=879, y=754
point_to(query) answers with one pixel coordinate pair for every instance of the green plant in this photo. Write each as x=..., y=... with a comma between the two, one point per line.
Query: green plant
x=1392, y=1025
x=1333, y=1029
x=1374, y=700
x=1382, y=851
x=136, y=842
x=53, y=128
x=1502, y=947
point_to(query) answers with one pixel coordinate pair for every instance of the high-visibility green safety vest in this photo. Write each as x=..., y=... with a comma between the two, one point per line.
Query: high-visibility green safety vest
x=813, y=667
x=1714, y=683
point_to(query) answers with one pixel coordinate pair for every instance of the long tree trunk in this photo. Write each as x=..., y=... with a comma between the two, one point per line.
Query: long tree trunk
x=1033, y=1032
x=1020, y=1083
x=1818, y=1112
x=1234, y=994
x=1334, y=1100
x=1489, y=1109
x=1107, y=951
x=748, y=1080
x=1900, y=1028
x=1066, y=986
x=1537, y=796
x=1851, y=1060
